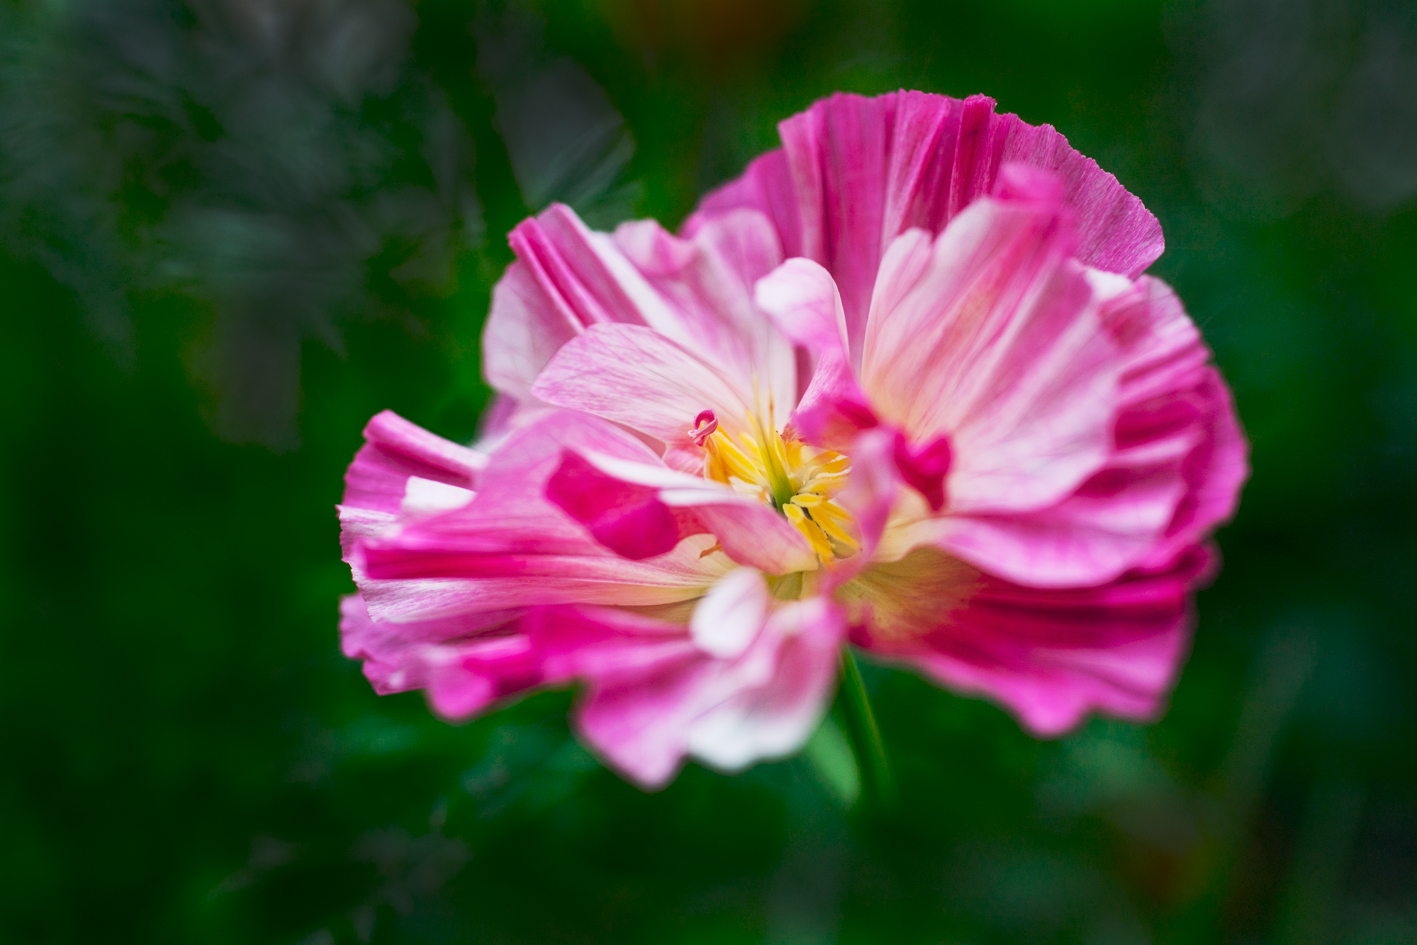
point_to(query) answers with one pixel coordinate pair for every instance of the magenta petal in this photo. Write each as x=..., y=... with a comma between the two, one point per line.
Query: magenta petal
x=998, y=344
x=653, y=696
x=766, y=186
x=625, y=517
x=1053, y=656
x=854, y=173
x=394, y=450
x=462, y=667
x=749, y=531
x=512, y=547
x=924, y=468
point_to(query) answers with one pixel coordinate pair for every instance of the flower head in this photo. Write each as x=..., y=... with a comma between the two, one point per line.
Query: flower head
x=901, y=385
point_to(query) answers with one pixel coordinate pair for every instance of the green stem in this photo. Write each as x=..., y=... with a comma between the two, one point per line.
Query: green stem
x=866, y=734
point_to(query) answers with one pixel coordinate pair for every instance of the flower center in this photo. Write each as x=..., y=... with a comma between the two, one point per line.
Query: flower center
x=798, y=480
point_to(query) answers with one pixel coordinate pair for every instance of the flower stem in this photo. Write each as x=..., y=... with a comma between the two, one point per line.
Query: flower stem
x=866, y=734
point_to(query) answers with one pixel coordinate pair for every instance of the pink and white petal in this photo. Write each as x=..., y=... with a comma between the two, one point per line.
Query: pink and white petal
x=653, y=696
x=566, y=279
x=512, y=547
x=431, y=497
x=395, y=450
x=767, y=187
x=465, y=663
x=1108, y=525
x=775, y=718
x=999, y=347
x=468, y=677
x=643, y=679
x=638, y=377
x=708, y=283
x=839, y=155
x=855, y=172
x=1050, y=656
x=801, y=299
x=525, y=327
x=1178, y=412
x=1174, y=472
x=1214, y=472
x=749, y=531
x=729, y=616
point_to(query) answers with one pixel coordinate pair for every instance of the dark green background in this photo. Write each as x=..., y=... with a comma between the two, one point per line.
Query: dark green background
x=222, y=250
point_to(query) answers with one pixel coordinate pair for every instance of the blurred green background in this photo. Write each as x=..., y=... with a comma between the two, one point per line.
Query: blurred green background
x=232, y=230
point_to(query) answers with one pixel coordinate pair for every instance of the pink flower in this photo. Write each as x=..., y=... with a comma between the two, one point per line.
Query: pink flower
x=902, y=383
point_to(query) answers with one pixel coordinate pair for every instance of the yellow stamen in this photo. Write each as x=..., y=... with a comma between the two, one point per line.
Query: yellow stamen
x=796, y=479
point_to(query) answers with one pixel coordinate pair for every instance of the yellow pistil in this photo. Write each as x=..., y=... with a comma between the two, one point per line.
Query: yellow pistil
x=799, y=481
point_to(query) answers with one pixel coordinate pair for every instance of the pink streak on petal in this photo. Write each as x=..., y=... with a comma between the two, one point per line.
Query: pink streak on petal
x=394, y=450
x=854, y=173
x=1053, y=656
x=999, y=346
x=627, y=518
x=1175, y=471
x=640, y=378
x=463, y=669
x=652, y=696
x=749, y=530
x=924, y=468
x=801, y=299
x=512, y=547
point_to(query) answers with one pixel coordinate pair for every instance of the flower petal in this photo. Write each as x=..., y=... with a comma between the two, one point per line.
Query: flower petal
x=1049, y=656
x=775, y=719
x=653, y=696
x=999, y=346
x=1174, y=472
x=653, y=507
x=801, y=299
x=638, y=377
x=512, y=547
x=463, y=668
x=693, y=292
x=395, y=449
x=856, y=172
x=729, y=616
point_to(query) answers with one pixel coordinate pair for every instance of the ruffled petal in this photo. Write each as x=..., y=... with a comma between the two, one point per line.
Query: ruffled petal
x=801, y=299
x=395, y=449
x=512, y=547
x=707, y=282
x=1049, y=656
x=1174, y=472
x=466, y=662
x=653, y=695
x=856, y=172
x=638, y=377
x=638, y=508
x=696, y=293
x=999, y=346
